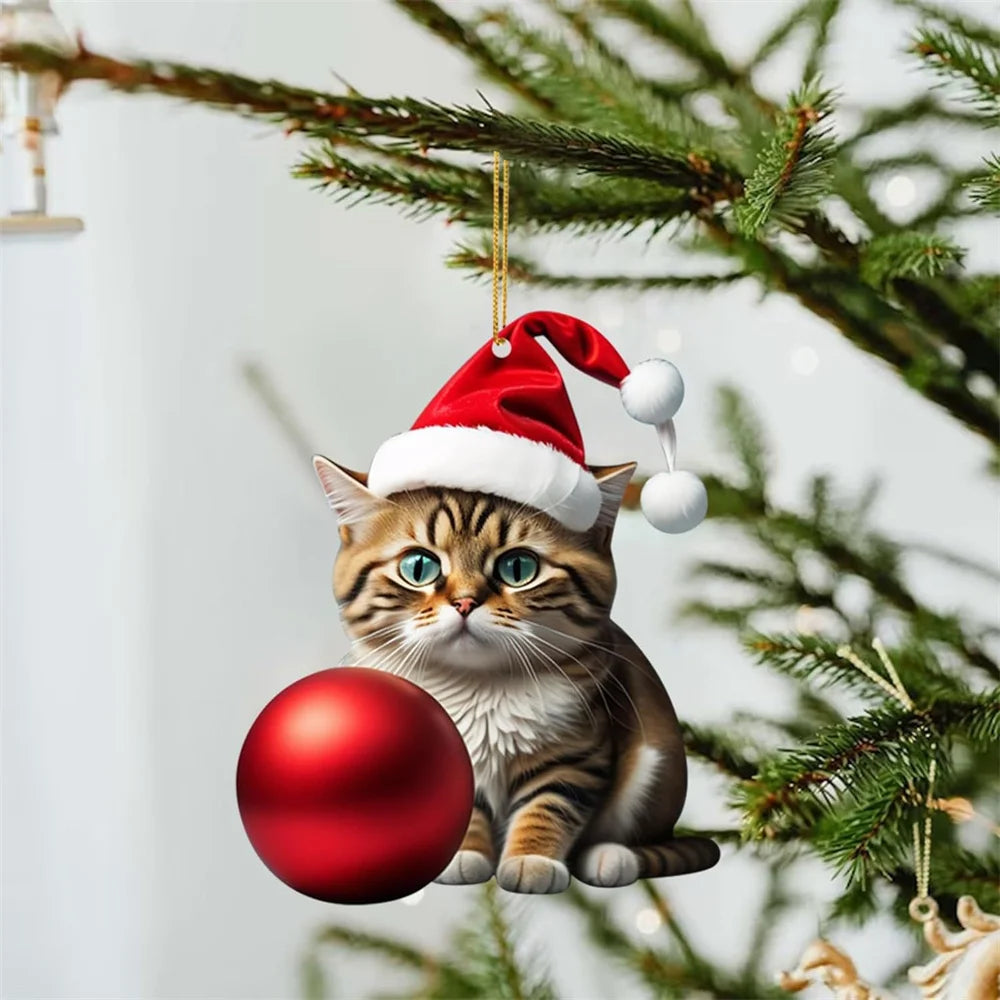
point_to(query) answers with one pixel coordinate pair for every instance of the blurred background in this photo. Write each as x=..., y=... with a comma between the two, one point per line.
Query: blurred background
x=167, y=552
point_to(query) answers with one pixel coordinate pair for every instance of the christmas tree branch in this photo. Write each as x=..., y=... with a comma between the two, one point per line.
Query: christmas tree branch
x=927, y=108
x=733, y=754
x=490, y=60
x=819, y=660
x=776, y=900
x=984, y=186
x=463, y=195
x=859, y=768
x=500, y=933
x=418, y=124
x=959, y=58
x=664, y=977
x=795, y=169
x=678, y=32
x=797, y=18
x=445, y=976
x=864, y=318
x=957, y=22
x=826, y=11
x=834, y=530
x=525, y=272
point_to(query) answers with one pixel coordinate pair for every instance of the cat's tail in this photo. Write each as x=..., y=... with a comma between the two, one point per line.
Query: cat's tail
x=677, y=857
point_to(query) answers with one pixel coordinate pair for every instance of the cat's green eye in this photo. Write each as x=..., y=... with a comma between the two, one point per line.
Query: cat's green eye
x=419, y=568
x=517, y=567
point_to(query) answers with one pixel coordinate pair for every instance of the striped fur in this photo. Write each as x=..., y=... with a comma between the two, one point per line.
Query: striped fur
x=575, y=745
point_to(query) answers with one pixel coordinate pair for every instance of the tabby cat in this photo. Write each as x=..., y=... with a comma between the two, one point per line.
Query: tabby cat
x=502, y=614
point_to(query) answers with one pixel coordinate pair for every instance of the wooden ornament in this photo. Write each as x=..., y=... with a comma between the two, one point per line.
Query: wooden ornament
x=967, y=966
x=822, y=962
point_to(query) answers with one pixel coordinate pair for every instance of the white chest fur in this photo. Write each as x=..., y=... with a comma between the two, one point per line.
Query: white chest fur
x=505, y=717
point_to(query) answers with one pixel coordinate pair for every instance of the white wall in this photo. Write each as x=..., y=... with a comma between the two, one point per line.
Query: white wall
x=167, y=554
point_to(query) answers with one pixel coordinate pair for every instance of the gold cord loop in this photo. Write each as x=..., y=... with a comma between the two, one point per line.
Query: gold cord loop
x=506, y=228
x=922, y=855
x=922, y=906
x=500, y=230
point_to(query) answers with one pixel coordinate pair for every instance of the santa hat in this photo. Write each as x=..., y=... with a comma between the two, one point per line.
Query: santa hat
x=504, y=424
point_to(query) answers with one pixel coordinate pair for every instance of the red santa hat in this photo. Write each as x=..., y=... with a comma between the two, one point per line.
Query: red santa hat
x=504, y=424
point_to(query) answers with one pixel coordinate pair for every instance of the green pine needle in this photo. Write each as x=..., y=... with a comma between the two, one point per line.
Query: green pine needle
x=795, y=170
x=975, y=66
x=985, y=189
x=908, y=254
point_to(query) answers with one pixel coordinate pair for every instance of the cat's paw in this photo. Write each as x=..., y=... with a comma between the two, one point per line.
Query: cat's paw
x=607, y=865
x=532, y=873
x=467, y=868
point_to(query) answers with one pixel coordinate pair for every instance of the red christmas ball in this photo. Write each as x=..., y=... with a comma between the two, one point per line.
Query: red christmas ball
x=354, y=786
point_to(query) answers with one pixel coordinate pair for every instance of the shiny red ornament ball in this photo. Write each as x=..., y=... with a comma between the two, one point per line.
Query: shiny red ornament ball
x=354, y=786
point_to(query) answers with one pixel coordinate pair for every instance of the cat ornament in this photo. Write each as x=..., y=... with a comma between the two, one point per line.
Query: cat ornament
x=475, y=561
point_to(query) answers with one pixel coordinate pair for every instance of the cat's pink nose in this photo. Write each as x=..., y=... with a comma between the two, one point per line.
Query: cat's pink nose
x=464, y=606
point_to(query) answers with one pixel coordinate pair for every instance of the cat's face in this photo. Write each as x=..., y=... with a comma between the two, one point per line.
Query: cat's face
x=466, y=581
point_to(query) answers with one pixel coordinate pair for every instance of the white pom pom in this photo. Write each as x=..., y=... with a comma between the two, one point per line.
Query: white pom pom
x=653, y=391
x=674, y=502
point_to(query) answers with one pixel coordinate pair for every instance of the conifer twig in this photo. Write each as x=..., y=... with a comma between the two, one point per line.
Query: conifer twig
x=461, y=36
x=523, y=271
x=419, y=124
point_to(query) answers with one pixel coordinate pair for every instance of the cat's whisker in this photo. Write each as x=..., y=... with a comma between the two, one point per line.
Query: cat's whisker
x=526, y=663
x=598, y=683
x=528, y=640
x=394, y=632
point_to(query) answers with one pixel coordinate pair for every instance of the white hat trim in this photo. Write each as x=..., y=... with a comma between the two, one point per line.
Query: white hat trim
x=482, y=460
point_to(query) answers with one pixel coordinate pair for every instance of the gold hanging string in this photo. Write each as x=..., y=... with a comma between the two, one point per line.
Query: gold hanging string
x=506, y=228
x=500, y=231
x=922, y=907
x=496, y=236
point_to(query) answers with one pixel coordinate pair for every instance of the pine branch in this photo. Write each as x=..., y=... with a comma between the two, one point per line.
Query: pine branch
x=926, y=108
x=492, y=62
x=950, y=203
x=499, y=931
x=447, y=977
x=988, y=570
x=985, y=188
x=454, y=191
x=663, y=976
x=826, y=11
x=418, y=124
x=865, y=760
x=864, y=317
x=972, y=64
x=734, y=755
x=872, y=835
x=834, y=530
x=970, y=27
x=794, y=172
x=813, y=659
x=796, y=790
x=979, y=296
x=908, y=254
x=776, y=901
x=852, y=183
x=589, y=89
x=678, y=32
x=579, y=22
x=744, y=438
x=933, y=304
x=793, y=21
x=480, y=262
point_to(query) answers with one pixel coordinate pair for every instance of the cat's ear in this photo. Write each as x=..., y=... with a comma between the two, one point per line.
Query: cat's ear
x=612, y=480
x=346, y=492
